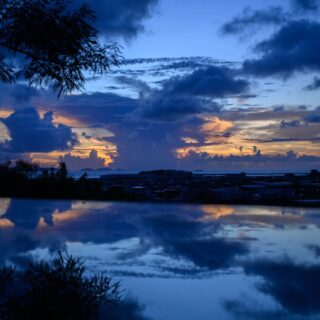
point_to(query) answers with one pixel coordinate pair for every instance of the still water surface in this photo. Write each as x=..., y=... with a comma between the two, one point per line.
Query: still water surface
x=181, y=262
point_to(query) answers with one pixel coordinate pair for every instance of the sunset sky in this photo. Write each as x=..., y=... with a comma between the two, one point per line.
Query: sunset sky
x=205, y=84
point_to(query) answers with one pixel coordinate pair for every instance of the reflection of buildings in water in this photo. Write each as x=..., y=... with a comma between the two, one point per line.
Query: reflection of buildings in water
x=4, y=205
x=215, y=212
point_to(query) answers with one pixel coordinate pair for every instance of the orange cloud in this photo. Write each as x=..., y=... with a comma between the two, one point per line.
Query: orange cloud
x=215, y=125
x=6, y=223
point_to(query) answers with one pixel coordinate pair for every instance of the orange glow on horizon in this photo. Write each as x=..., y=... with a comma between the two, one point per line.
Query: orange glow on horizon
x=215, y=212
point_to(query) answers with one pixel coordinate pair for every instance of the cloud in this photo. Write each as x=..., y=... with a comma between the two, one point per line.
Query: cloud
x=162, y=107
x=213, y=82
x=294, y=286
x=315, y=249
x=17, y=95
x=31, y=133
x=315, y=85
x=77, y=163
x=290, y=124
x=184, y=238
x=120, y=18
x=291, y=49
x=306, y=5
x=313, y=117
x=183, y=96
x=200, y=160
x=252, y=18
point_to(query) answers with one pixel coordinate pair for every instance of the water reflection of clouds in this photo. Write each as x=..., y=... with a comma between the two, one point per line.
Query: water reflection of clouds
x=294, y=286
x=179, y=241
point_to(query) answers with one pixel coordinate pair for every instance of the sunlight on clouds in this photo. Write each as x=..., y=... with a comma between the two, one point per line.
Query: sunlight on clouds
x=6, y=223
x=61, y=118
x=5, y=112
x=4, y=133
x=4, y=205
x=42, y=224
x=215, y=125
x=215, y=212
x=89, y=139
x=189, y=140
x=66, y=216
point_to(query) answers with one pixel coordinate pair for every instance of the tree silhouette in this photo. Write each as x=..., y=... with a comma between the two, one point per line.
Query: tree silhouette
x=58, y=289
x=53, y=43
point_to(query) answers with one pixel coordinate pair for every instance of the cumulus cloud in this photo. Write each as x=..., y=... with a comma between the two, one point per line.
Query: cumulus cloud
x=313, y=117
x=159, y=107
x=315, y=85
x=184, y=238
x=291, y=49
x=31, y=133
x=17, y=94
x=77, y=163
x=184, y=96
x=252, y=18
x=290, y=124
x=293, y=286
x=122, y=18
x=306, y=5
x=213, y=82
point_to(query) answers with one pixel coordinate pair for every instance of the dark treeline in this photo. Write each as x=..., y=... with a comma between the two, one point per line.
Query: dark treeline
x=25, y=179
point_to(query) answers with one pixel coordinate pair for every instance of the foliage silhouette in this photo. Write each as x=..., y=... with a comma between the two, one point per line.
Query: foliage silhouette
x=53, y=42
x=59, y=289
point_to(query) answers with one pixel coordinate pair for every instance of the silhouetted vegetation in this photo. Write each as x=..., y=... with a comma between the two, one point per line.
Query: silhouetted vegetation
x=28, y=180
x=58, y=289
x=53, y=42
x=24, y=179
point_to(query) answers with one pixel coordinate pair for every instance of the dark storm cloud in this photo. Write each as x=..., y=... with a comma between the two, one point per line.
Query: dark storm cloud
x=122, y=18
x=307, y=5
x=315, y=85
x=294, y=286
x=30, y=133
x=96, y=107
x=160, y=107
x=214, y=82
x=214, y=253
x=252, y=18
x=183, y=238
x=184, y=96
x=293, y=48
x=148, y=145
x=77, y=163
x=290, y=124
x=241, y=311
x=315, y=249
x=313, y=117
x=17, y=95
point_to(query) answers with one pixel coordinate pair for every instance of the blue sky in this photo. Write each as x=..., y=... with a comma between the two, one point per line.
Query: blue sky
x=229, y=85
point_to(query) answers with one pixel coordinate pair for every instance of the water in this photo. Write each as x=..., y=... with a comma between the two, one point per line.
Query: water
x=181, y=262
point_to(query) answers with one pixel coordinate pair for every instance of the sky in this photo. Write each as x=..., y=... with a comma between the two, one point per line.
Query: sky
x=204, y=85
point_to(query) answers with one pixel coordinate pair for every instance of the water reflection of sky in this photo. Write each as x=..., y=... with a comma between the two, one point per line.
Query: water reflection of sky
x=181, y=261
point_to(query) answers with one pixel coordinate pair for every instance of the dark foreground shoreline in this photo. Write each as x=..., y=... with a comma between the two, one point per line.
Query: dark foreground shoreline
x=168, y=186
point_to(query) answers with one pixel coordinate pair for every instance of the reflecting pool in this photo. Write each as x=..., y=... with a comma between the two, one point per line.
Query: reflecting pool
x=180, y=262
